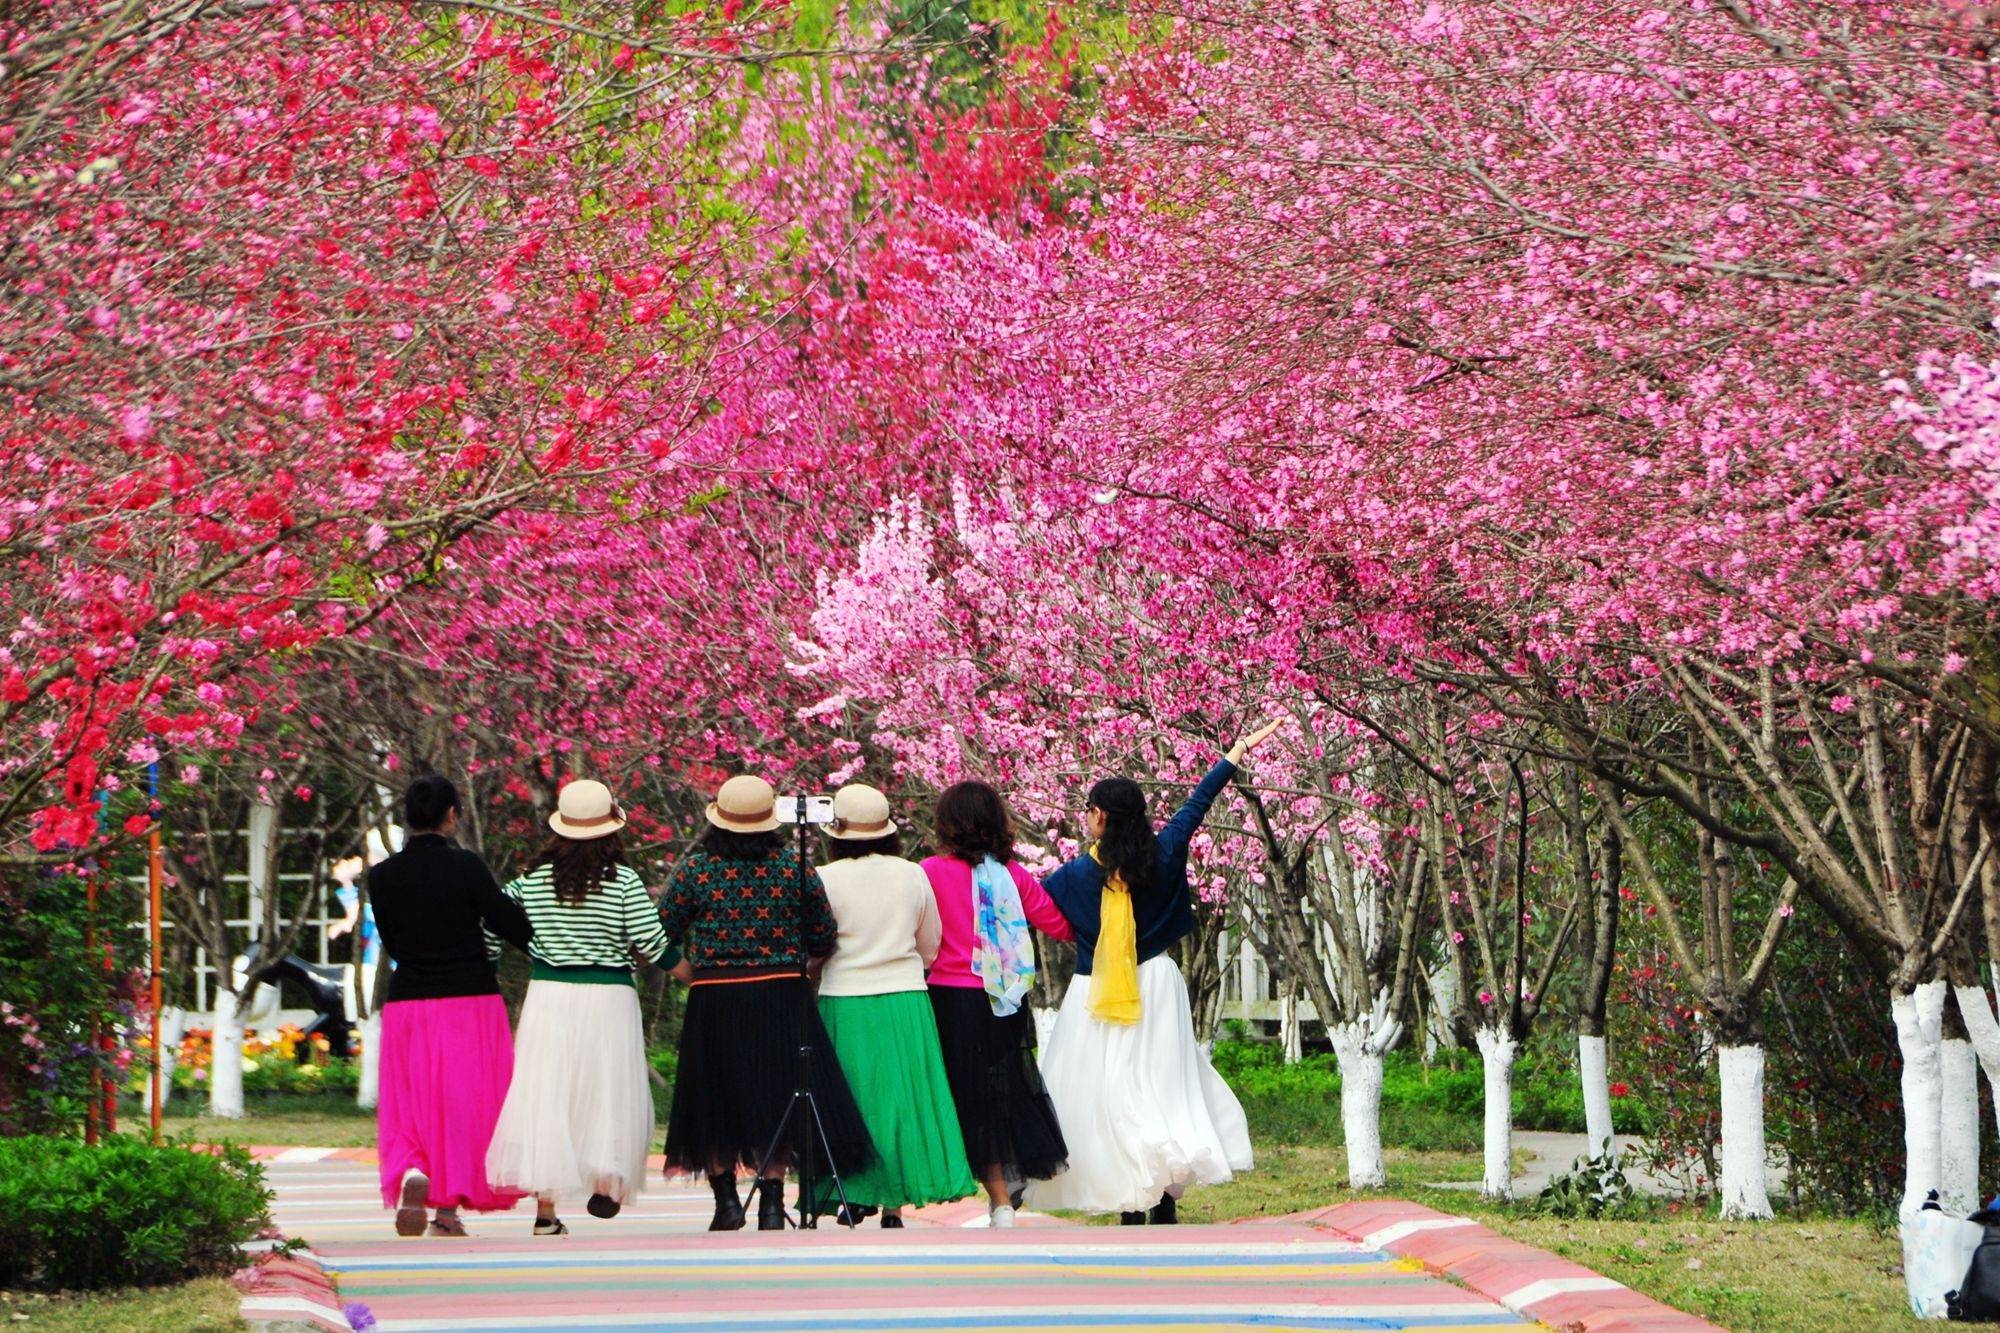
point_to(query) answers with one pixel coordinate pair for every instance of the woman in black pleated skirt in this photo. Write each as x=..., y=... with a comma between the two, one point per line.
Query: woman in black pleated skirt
x=986, y=902
x=754, y=925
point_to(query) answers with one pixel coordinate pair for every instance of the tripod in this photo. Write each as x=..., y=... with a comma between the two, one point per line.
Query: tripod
x=802, y=1091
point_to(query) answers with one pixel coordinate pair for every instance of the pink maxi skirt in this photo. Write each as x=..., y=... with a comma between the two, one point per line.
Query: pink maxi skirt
x=445, y=1069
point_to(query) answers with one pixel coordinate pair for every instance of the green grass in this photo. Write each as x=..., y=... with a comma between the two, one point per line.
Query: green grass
x=194, y=1307
x=315, y=1120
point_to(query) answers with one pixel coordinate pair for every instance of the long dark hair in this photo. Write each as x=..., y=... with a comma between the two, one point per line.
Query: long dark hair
x=1127, y=848
x=578, y=865
x=972, y=824
x=734, y=846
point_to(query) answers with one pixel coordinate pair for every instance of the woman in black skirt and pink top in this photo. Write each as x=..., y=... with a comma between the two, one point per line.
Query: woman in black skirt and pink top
x=979, y=984
x=754, y=927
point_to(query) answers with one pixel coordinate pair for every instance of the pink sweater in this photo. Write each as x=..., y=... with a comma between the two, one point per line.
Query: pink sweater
x=951, y=885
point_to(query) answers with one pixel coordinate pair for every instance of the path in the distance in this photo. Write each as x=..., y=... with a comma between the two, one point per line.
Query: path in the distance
x=656, y=1267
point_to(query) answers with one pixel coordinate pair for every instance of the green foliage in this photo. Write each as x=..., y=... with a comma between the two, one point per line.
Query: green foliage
x=1592, y=1187
x=54, y=993
x=124, y=1213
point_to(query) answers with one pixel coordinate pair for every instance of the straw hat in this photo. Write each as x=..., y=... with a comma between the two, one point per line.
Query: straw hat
x=860, y=813
x=585, y=810
x=745, y=805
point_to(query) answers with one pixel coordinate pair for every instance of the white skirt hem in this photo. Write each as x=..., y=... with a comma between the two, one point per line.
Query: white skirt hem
x=579, y=1113
x=1142, y=1109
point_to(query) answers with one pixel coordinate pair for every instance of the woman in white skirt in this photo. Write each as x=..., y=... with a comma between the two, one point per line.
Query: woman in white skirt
x=1142, y=1109
x=579, y=1112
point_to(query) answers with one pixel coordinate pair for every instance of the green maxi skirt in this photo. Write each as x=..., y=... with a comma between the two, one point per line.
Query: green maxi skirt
x=888, y=1048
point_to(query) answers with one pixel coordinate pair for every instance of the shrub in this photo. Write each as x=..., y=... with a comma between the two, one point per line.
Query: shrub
x=57, y=994
x=124, y=1213
x=1592, y=1187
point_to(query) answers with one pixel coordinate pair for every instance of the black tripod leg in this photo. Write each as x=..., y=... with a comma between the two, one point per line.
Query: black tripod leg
x=764, y=1164
x=832, y=1167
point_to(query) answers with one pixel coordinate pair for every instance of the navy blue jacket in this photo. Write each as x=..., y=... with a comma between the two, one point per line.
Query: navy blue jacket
x=1162, y=913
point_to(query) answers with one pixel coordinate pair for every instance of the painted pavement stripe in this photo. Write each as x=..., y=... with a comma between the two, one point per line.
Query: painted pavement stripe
x=1010, y=1266
x=441, y=1256
x=1160, y=1317
x=1536, y=1292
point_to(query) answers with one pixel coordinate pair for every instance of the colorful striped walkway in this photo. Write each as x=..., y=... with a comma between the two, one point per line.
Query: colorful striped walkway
x=656, y=1267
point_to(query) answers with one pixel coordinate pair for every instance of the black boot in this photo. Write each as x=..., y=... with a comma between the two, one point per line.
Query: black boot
x=1137, y=1219
x=728, y=1204
x=771, y=1205
x=602, y=1205
x=1163, y=1214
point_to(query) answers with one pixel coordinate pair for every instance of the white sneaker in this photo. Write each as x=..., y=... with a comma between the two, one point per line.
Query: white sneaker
x=1003, y=1216
x=416, y=1187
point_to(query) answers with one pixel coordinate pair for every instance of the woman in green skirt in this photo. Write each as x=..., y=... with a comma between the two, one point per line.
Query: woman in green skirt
x=877, y=1009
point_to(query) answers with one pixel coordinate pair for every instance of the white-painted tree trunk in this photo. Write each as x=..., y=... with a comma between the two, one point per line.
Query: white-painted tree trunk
x=1918, y=1017
x=1984, y=1030
x=173, y=1027
x=1360, y=1108
x=1593, y=1070
x=1496, y=1058
x=225, y=1063
x=1958, y=1127
x=1744, y=1191
x=369, y=1090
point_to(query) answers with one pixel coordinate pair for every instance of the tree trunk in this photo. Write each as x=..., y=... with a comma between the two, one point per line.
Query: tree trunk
x=1958, y=1126
x=1744, y=1192
x=1360, y=1106
x=1496, y=1058
x=1983, y=1030
x=1917, y=1017
x=1593, y=1066
x=368, y=1091
x=225, y=1063
x=173, y=1027
x=1594, y=1072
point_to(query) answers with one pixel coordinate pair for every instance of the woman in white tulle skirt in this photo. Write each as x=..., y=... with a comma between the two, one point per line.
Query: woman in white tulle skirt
x=1143, y=1111
x=579, y=1112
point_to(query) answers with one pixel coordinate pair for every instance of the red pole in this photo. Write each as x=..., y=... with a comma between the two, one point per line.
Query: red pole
x=153, y=881
x=108, y=1043
x=93, y=1104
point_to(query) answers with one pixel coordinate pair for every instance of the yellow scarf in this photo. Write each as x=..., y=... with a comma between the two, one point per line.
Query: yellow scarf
x=1114, y=978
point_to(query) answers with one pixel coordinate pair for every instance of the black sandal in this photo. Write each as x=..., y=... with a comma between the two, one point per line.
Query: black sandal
x=551, y=1227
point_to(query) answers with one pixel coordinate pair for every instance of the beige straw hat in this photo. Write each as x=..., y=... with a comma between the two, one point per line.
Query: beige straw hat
x=585, y=810
x=745, y=805
x=860, y=813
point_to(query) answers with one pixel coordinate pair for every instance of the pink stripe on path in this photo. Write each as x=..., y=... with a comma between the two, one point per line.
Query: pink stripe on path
x=1526, y=1280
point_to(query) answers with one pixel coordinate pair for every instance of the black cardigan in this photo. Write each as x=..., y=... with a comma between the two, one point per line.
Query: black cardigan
x=431, y=900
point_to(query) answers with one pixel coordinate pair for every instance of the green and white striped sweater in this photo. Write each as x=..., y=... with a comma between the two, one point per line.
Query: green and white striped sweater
x=598, y=939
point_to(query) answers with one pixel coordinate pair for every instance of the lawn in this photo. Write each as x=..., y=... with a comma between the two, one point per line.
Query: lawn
x=316, y=1120
x=194, y=1307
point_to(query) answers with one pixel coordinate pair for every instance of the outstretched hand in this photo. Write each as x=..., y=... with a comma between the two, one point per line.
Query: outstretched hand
x=1245, y=744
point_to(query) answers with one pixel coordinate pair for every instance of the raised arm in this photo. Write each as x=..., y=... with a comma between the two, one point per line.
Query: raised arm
x=1180, y=830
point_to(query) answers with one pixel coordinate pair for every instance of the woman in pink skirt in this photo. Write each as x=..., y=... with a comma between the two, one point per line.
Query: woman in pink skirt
x=447, y=1055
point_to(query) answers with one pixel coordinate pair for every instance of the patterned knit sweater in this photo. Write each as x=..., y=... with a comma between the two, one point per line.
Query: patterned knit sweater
x=744, y=914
